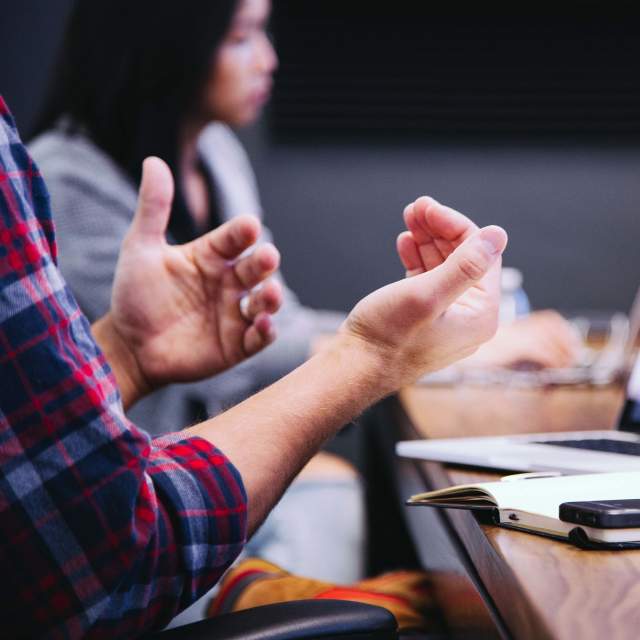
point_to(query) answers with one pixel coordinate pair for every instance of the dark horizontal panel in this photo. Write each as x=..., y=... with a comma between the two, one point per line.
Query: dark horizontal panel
x=350, y=66
x=568, y=127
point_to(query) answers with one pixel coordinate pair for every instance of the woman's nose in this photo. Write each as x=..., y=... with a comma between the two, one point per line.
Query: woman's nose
x=267, y=57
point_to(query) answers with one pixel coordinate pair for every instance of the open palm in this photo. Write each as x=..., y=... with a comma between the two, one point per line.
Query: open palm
x=178, y=307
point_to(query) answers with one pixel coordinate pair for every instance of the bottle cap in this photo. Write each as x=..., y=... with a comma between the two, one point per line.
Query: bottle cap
x=511, y=279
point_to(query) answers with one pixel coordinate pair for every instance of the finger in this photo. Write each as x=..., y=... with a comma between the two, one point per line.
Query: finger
x=256, y=267
x=267, y=298
x=430, y=255
x=437, y=229
x=546, y=353
x=409, y=253
x=260, y=334
x=154, y=200
x=566, y=350
x=228, y=240
x=427, y=219
x=449, y=227
x=550, y=356
x=465, y=267
x=552, y=327
x=566, y=333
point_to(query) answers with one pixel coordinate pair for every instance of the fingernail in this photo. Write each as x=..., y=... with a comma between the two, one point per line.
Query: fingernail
x=493, y=239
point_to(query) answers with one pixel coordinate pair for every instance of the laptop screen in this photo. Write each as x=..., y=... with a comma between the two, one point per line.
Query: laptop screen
x=630, y=418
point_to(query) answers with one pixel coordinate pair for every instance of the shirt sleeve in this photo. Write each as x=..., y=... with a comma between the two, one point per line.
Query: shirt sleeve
x=106, y=533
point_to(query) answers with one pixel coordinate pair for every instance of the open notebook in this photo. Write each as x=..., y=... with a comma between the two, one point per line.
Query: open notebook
x=532, y=504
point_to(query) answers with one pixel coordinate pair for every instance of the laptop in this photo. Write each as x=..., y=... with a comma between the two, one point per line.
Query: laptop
x=571, y=452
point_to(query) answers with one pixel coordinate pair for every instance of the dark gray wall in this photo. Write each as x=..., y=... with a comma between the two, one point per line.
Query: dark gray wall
x=30, y=33
x=572, y=212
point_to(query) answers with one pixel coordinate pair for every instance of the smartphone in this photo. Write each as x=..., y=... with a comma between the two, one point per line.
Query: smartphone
x=604, y=514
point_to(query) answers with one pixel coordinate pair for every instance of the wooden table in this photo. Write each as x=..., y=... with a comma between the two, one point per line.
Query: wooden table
x=491, y=582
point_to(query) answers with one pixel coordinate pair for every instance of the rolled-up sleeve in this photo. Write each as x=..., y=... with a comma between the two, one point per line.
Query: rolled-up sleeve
x=187, y=525
x=106, y=533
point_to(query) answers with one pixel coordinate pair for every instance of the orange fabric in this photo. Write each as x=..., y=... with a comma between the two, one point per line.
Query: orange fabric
x=255, y=582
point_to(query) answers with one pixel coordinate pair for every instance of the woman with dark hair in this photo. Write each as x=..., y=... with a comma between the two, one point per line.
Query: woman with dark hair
x=170, y=79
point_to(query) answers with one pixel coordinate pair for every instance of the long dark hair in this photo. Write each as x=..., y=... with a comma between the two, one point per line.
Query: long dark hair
x=128, y=74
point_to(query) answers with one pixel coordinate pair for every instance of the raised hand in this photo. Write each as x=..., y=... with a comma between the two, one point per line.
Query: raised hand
x=177, y=309
x=542, y=339
x=449, y=305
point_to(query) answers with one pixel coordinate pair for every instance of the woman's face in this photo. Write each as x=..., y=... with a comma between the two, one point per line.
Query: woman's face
x=240, y=78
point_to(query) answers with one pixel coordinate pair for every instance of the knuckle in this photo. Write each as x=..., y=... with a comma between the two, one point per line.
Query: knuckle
x=251, y=269
x=471, y=267
x=426, y=202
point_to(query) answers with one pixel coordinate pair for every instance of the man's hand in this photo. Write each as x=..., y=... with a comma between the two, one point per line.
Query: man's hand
x=447, y=306
x=542, y=339
x=176, y=310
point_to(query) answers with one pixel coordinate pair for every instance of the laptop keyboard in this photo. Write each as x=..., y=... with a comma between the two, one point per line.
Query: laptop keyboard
x=598, y=444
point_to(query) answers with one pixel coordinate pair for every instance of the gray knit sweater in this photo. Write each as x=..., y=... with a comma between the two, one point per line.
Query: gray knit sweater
x=93, y=202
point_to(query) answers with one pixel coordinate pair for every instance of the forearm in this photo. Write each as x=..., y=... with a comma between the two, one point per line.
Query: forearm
x=270, y=436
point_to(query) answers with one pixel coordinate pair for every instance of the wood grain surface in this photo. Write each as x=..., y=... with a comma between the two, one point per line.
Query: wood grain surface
x=462, y=411
x=542, y=588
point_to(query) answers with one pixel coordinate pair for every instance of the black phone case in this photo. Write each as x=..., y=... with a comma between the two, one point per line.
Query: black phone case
x=577, y=536
x=590, y=515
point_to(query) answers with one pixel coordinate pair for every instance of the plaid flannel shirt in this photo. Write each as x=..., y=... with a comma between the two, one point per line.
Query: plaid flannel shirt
x=104, y=533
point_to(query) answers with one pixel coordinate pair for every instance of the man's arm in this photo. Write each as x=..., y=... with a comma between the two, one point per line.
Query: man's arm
x=441, y=313
x=420, y=324
x=390, y=338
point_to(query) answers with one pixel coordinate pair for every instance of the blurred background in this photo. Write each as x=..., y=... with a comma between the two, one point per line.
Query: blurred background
x=530, y=120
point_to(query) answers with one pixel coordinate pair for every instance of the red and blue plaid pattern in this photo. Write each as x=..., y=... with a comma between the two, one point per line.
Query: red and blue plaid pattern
x=104, y=533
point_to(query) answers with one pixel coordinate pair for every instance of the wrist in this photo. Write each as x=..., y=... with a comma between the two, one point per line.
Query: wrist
x=368, y=363
x=131, y=381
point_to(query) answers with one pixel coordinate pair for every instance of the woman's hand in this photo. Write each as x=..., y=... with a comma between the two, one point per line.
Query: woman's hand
x=543, y=339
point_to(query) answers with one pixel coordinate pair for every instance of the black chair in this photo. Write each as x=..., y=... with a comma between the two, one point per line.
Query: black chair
x=299, y=620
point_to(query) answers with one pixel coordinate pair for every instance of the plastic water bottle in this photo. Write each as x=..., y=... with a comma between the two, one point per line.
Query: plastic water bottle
x=513, y=301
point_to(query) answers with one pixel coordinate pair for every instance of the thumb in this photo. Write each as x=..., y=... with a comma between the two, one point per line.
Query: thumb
x=466, y=266
x=154, y=199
